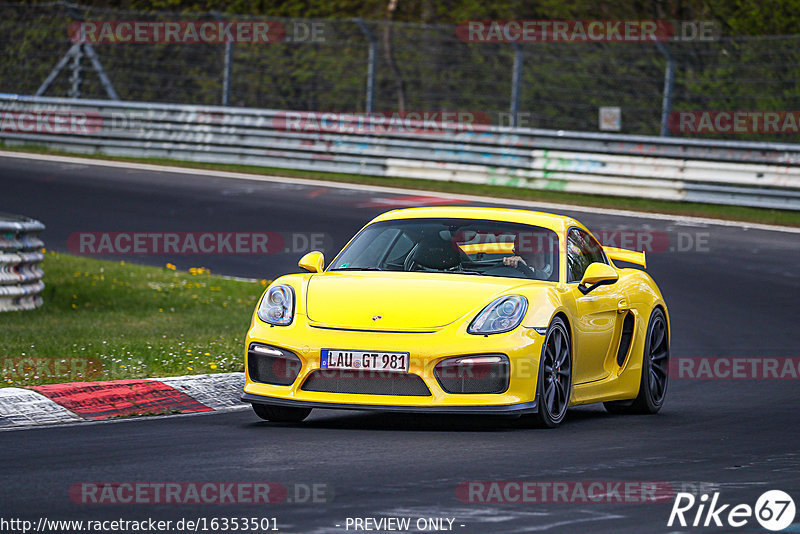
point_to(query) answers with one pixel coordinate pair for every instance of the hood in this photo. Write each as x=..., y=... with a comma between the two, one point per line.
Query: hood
x=402, y=301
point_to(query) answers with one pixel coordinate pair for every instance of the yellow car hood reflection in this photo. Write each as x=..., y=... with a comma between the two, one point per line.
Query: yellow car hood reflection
x=397, y=301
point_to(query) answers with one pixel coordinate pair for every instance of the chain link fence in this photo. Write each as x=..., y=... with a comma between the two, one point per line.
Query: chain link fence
x=325, y=65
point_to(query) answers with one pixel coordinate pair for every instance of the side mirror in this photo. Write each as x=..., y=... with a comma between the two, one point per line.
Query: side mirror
x=597, y=274
x=313, y=262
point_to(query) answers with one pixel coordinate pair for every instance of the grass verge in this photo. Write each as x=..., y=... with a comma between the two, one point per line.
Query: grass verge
x=105, y=320
x=738, y=213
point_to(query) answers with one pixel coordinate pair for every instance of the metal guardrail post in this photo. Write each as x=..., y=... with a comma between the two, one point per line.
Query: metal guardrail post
x=20, y=254
x=53, y=73
x=226, y=77
x=227, y=69
x=76, y=79
x=516, y=82
x=669, y=83
x=101, y=72
x=371, y=64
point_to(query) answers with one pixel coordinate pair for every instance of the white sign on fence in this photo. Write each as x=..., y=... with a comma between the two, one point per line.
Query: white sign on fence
x=610, y=119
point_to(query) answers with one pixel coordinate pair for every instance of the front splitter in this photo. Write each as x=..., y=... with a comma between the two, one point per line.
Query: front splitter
x=508, y=409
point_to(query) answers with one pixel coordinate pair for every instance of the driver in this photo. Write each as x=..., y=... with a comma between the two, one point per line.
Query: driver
x=530, y=261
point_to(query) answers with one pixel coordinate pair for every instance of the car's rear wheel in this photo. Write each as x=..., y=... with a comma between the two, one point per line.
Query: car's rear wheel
x=281, y=414
x=655, y=370
x=554, y=383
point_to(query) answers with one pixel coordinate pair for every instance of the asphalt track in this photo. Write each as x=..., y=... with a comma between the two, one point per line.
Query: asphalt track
x=735, y=295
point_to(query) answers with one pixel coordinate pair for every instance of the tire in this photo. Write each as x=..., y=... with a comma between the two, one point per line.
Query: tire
x=281, y=414
x=655, y=371
x=554, y=383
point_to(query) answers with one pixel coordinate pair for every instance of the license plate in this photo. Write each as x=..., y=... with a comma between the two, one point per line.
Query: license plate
x=359, y=360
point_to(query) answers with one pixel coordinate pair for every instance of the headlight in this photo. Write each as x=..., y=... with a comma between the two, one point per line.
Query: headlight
x=277, y=306
x=502, y=315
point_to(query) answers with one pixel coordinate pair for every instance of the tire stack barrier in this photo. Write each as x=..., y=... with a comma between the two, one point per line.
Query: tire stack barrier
x=21, y=275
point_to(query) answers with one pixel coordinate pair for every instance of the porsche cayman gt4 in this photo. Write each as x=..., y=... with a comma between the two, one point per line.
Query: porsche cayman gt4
x=461, y=310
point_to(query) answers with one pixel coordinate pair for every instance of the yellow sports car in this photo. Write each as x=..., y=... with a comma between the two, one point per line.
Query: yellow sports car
x=461, y=310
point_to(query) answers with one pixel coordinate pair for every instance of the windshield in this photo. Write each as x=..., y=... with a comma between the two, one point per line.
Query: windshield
x=464, y=246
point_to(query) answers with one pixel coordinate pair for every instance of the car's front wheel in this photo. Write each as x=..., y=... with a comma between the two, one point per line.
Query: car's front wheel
x=655, y=370
x=555, y=376
x=281, y=414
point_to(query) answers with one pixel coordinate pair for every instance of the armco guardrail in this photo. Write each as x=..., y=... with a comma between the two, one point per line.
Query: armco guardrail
x=713, y=171
x=20, y=254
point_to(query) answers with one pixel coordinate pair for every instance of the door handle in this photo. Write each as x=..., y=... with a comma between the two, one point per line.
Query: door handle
x=622, y=306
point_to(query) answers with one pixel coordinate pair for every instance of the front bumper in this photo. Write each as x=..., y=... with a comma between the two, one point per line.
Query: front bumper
x=522, y=346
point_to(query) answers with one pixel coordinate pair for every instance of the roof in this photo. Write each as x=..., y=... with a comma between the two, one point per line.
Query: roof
x=535, y=218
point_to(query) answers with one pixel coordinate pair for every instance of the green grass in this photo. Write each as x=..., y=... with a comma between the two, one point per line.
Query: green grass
x=106, y=320
x=738, y=213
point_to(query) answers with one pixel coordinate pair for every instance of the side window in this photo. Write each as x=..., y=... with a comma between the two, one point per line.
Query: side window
x=367, y=252
x=582, y=251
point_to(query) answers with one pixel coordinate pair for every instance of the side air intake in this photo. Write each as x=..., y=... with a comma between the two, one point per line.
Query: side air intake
x=625, y=339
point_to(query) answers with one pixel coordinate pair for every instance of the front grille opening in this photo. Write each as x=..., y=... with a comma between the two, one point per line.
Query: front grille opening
x=272, y=365
x=366, y=382
x=626, y=338
x=484, y=373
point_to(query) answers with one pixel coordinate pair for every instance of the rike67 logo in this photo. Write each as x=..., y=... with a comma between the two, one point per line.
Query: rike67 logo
x=774, y=510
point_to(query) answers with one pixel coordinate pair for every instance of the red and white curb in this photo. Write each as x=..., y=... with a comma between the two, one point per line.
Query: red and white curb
x=95, y=401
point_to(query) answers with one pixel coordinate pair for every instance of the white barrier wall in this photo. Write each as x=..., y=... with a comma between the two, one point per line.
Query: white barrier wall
x=689, y=170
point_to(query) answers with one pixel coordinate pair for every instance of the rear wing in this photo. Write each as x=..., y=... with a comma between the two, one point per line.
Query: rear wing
x=488, y=248
x=619, y=254
x=630, y=256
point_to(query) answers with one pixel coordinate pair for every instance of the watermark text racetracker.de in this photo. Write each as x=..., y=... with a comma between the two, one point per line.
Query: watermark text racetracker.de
x=564, y=491
x=23, y=368
x=64, y=122
x=219, y=243
x=585, y=31
x=642, y=240
x=734, y=122
x=197, y=31
x=655, y=241
x=203, y=493
x=735, y=368
x=427, y=122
